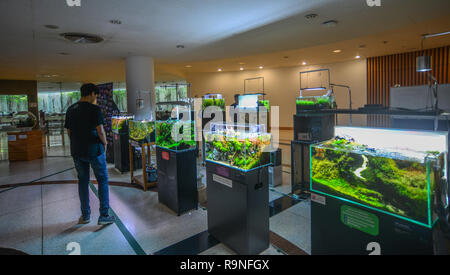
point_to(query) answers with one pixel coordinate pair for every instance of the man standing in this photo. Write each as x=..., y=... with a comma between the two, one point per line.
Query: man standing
x=84, y=124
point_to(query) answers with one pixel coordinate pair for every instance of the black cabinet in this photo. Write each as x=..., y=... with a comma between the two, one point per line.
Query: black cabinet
x=177, y=179
x=238, y=207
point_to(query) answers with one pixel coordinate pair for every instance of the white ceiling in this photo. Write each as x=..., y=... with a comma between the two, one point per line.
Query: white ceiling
x=209, y=29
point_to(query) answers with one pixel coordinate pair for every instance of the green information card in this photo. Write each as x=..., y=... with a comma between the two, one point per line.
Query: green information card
x=360, y=220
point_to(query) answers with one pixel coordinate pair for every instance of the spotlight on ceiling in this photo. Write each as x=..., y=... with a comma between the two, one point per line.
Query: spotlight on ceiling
x=188, y=66
x=330, y=24
x=219, y=70
x=304, y=63
x=357, y=57
x=337, y=51
x=261, y=67
x=241, y=69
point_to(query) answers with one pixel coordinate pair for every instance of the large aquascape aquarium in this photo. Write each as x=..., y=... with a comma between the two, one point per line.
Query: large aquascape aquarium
x=244, y=147
x=175, y=126
x=395, y=172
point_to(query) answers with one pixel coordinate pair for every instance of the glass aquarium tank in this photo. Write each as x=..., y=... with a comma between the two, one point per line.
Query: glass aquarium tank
x=120, y=123
x=315, y=102
x=394, y=172
x=141, y=131
x=24, y=120
x=175, y=127
x=244, y=147
x=213, y=100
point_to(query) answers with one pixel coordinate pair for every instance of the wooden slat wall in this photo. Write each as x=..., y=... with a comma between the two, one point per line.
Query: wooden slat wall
x=384, y=72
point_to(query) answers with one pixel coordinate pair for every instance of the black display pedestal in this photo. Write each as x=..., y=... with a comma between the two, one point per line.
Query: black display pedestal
x=177, y=179
x=238, y=207
x=121, y=152
x=330, y=236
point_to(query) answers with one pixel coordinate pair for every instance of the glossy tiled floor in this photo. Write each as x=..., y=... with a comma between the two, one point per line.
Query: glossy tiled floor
x=42, y=219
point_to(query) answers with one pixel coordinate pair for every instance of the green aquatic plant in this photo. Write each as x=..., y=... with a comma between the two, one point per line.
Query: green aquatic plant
x=399, y=186
x=184, y=139
x=265, y=103
x=213, y=102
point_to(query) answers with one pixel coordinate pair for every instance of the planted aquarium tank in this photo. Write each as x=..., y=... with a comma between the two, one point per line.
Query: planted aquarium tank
x=120, y=123
x=141, y=131
x=390, y=171
x=244, y=147
x=175, y=127
x=213, y=100
x=315, y=102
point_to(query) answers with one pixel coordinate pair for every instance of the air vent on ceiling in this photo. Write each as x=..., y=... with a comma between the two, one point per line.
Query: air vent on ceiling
x=82, y=38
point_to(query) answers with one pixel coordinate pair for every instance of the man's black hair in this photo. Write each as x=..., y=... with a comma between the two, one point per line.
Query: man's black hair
x=88, y=89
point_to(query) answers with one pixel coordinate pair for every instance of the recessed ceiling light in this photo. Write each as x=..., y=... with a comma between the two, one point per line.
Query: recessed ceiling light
x=82, y=38
x=311, y=16
x=241, y=63
x=219, y=70
x=115, y=22
x=261, y=67
x=358, y=57
x=304, y=63
x=52, y=27
x=330, y=24
x=188, y=66
x=180, y=46
x=241, y=69
x=337, y=51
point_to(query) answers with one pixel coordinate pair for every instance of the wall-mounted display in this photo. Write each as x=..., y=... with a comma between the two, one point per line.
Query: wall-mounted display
x=238, y=146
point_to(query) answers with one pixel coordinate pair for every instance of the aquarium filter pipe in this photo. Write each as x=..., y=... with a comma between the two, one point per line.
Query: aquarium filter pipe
x=349, y=98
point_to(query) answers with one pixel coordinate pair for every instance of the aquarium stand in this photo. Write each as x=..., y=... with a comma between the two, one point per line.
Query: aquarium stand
x=141, y=180
x=121, y=152
x=330, y=235
x=311, y=127
x=238, y=207
x=177, y=179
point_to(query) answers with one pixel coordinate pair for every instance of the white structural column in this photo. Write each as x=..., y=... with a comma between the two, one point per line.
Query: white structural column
x=140, y=85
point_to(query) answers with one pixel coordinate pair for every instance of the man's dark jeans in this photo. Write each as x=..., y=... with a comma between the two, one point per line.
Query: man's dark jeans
x=98, y=164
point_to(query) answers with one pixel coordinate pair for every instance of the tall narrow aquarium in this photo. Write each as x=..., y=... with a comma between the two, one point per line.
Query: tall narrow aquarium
x=244, y=147
x=120, y=123
x=175, y=126
x=141, y=131
x=394, y=172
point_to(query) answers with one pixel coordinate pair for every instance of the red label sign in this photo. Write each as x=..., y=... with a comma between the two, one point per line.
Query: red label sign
x=165, y=155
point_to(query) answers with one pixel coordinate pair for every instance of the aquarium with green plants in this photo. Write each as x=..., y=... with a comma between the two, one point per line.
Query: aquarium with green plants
x=176, y=135
x=141, y=131
x=213, y=100
x=175, y=127
x=315, y=102
x=394, y=172
x=243, y=147
x=120, y=123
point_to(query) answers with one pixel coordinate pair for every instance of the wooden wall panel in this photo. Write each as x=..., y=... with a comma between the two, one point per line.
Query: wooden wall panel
x=384, y=72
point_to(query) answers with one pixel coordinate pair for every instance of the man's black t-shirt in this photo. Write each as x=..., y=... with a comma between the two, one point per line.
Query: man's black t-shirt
x=82, y=119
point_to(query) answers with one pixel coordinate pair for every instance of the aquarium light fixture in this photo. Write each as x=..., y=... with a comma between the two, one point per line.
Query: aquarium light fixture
x=315, y=89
